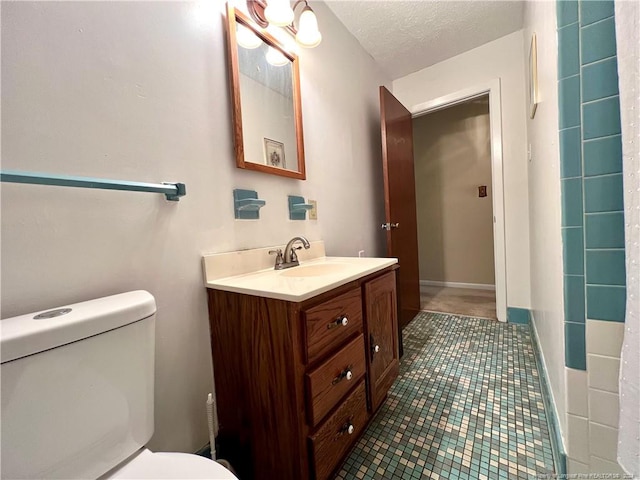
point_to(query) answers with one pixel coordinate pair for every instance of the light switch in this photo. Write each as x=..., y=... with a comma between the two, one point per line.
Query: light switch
x=313, y=213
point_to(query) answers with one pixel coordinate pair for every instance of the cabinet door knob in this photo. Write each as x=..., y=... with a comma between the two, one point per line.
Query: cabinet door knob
x=348, y=375
x=350, y=429
x=374, y=348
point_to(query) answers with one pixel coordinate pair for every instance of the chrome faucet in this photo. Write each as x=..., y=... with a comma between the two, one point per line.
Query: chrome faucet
x=289, y=259
x=290, y=251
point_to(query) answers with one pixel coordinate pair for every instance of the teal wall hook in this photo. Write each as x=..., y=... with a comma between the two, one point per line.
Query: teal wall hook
x=298, y=208
x=246, y=204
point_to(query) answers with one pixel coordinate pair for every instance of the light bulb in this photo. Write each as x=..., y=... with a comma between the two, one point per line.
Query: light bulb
x=276, y=58
x=246, y=38
x=308, y=34
x=279, y=13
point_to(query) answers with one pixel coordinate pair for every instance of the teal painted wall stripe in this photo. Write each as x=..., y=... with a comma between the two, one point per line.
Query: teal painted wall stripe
x=591, y=167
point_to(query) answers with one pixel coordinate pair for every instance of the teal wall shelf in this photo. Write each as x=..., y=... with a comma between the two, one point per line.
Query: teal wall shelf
x=173, y=191
x=246, y=204
x=298, y=208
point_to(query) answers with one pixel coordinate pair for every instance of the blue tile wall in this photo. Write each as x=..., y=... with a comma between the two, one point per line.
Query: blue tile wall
x=573, y=247
x=591, y=170
x=567, y=12
x=575, y=355
x=574, y=304
x=602, y=156
x=592, y=11
x=606, y=267
x=572, y=202
x=568, y=51
x=597, y=41
x=606, y=302
x=601, y=118
x=571, y=152
x=569, y=97
x=603, y=193
x=604, y=230
x=600, y=80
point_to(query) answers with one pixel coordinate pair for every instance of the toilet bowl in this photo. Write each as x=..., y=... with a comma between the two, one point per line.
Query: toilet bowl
x=165, y=465
x=77, y=391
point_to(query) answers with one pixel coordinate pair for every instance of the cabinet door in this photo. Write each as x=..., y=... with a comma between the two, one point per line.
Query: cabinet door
x=381, y=335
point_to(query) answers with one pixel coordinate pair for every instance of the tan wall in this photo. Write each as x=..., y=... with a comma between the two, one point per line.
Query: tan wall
x=455, y=228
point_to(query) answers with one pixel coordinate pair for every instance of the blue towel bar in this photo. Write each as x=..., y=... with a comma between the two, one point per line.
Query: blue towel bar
x=173, y=191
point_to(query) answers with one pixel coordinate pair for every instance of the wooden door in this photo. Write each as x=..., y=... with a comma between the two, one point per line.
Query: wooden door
x=400, y=201
x=381, y=314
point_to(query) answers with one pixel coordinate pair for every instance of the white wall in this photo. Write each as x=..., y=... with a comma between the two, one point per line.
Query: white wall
x=138, y=91
x=503, y=58
x=547, y=303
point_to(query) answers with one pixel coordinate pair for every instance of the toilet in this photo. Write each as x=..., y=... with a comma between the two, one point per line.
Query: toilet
x=78, y=395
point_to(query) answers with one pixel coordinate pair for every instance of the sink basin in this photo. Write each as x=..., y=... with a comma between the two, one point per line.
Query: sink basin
x=314, y=270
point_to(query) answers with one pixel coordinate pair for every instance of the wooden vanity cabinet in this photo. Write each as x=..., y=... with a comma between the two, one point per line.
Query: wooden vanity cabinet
x=382, y=336
x=297, y=383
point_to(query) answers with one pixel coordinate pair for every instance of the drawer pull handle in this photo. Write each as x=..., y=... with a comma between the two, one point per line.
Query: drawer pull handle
x=341, y=321
x=346, y=373
x=376, y=348
x=347, y=428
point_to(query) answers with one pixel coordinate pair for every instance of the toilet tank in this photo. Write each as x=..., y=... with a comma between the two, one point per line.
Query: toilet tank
x=77, y=387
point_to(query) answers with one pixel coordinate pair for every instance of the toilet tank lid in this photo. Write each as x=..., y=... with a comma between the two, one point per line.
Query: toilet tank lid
x=25, y=335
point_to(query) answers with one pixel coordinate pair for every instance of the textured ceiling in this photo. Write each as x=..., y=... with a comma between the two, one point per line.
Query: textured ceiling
x=404, y=37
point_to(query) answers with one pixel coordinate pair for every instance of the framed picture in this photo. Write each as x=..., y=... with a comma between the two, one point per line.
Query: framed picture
x=274, y=153
x=533, y=76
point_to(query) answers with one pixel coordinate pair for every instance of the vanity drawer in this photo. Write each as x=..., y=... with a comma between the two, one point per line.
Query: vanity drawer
x=330, y=382
x=334, y=438
x=325, y=323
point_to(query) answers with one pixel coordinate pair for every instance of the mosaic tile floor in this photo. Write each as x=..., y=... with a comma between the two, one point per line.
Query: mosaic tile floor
x=466, y=405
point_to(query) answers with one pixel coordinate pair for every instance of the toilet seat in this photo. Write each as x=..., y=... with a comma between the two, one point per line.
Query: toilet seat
x=169, y=465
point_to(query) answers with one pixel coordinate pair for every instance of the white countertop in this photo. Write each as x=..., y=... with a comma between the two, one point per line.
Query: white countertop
x=285, y=285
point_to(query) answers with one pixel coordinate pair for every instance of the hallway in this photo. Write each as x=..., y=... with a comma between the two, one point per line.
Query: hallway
x=467, y=405
x=461, y=301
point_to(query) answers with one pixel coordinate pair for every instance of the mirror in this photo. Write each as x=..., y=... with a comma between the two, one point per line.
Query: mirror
x=265, y=93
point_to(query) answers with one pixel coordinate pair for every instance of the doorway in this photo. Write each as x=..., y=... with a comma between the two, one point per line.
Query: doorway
x=399, y=189
x=452, y=161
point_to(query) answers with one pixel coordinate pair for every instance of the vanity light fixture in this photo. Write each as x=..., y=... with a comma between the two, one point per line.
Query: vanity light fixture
x=276, y=58
x=280, y=13
x=246, y=38
x=308, y=34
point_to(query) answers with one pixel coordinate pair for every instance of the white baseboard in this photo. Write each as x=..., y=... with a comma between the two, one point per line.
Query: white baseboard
x=477, y=286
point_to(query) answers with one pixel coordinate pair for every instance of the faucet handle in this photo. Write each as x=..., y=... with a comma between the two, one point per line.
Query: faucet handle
x=279, y=257
x=294, y=256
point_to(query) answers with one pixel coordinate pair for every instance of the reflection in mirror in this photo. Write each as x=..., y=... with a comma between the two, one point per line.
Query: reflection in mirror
x=268, y=124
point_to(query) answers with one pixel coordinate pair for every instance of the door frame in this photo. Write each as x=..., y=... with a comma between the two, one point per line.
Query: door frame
x=491, y=88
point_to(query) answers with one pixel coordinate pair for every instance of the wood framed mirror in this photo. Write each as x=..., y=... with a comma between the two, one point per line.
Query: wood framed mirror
x=265, y=95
